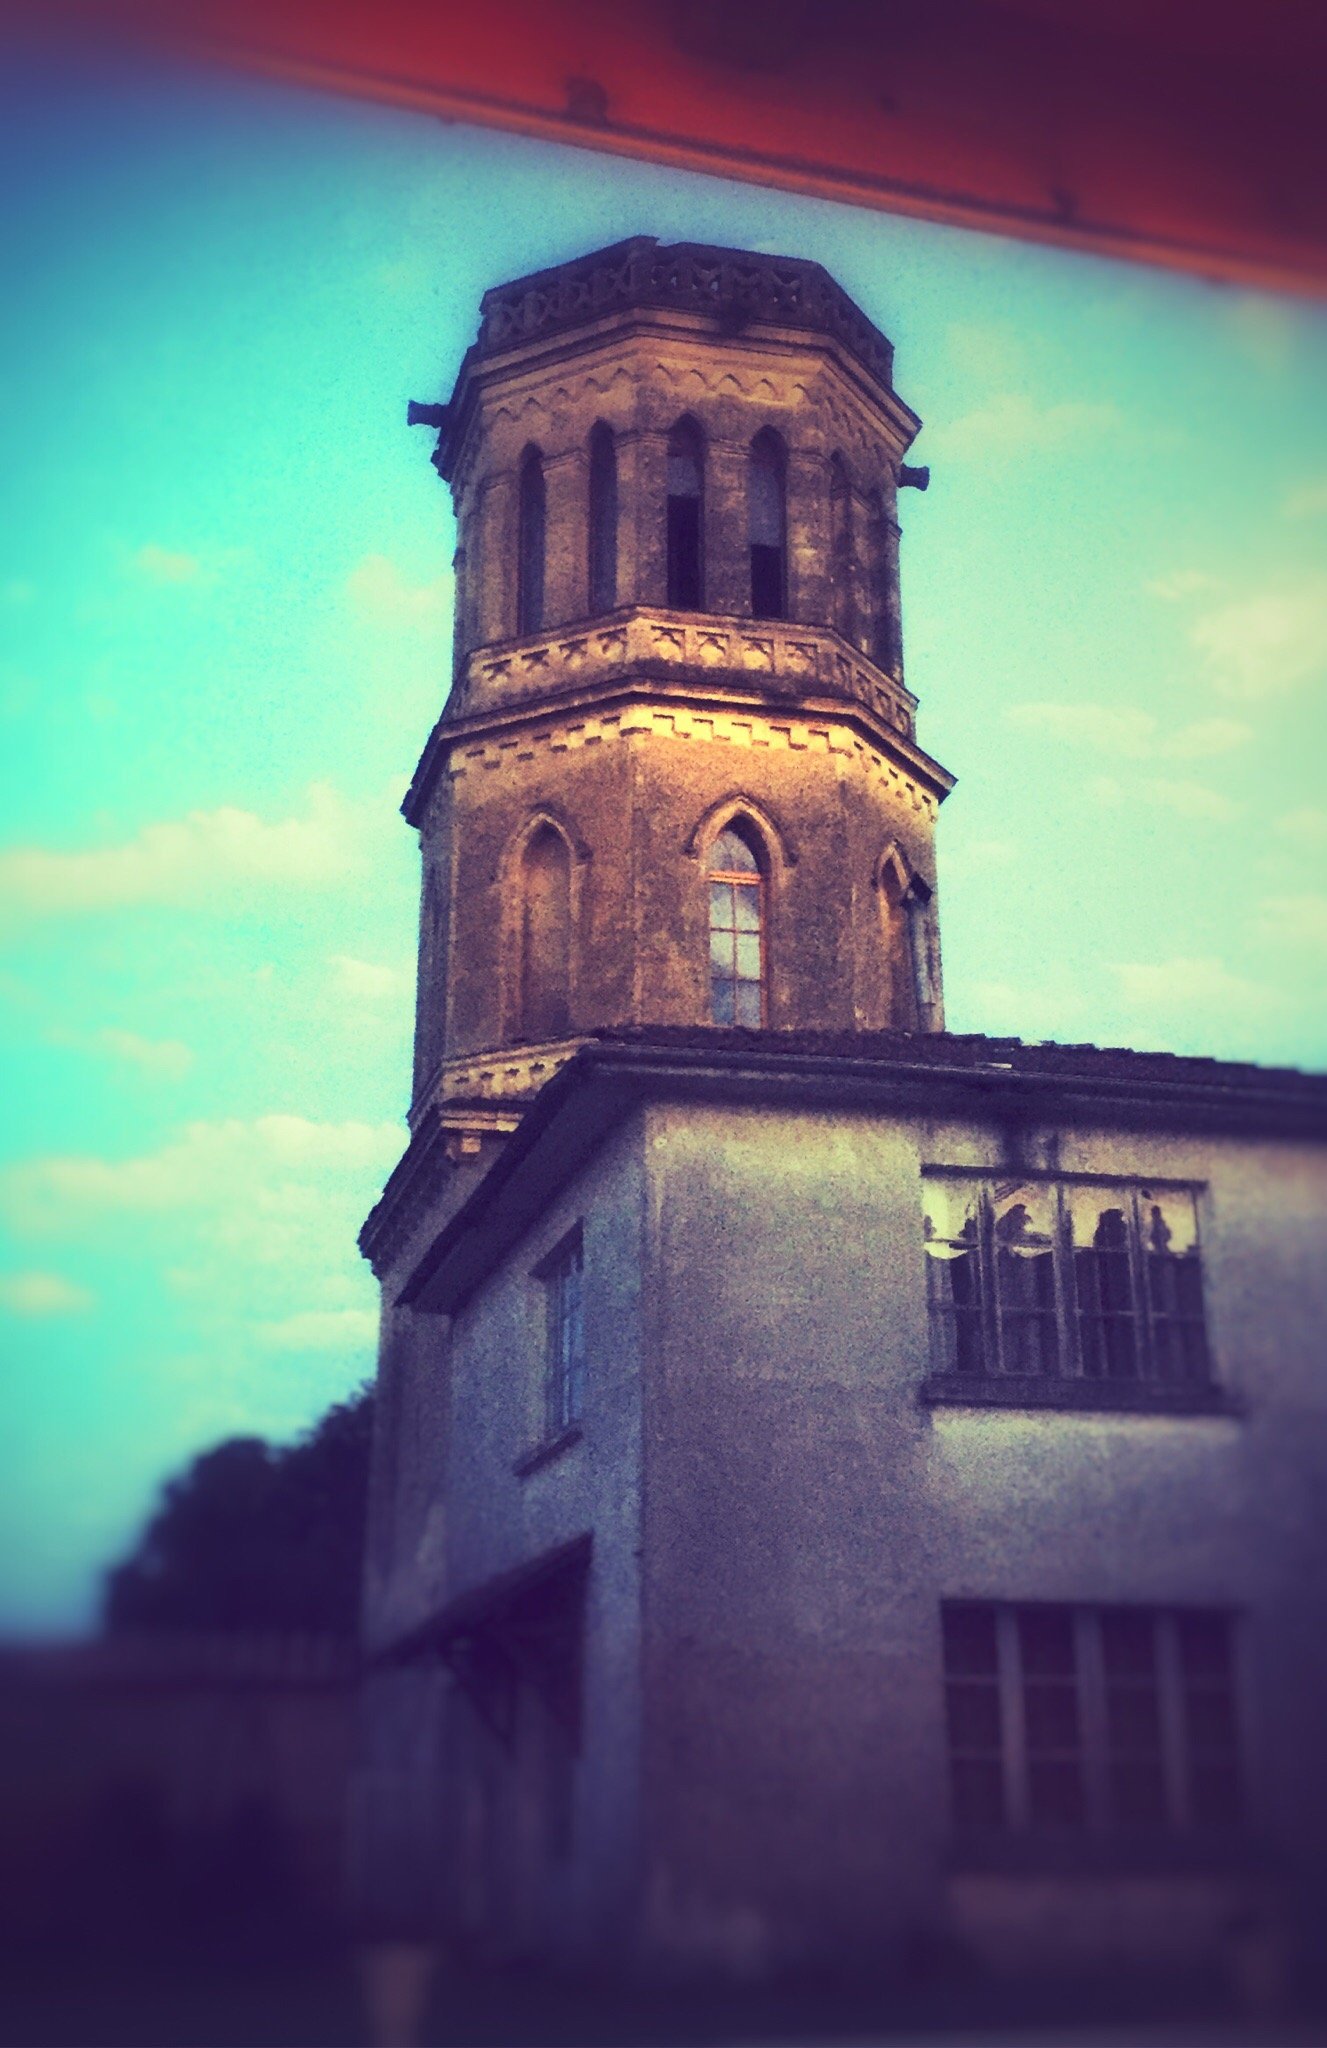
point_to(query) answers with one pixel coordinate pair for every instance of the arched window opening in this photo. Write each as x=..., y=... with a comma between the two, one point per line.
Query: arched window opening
x=531, y=544
x=737, y=930
x=686, y=487
x=916, y=909
x=882, y=610
x=603, y=519
x=545, y=987
x=767, y=526
x=843, y=607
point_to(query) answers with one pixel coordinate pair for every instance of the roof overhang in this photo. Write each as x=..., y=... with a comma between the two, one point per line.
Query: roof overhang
x=884, y=1072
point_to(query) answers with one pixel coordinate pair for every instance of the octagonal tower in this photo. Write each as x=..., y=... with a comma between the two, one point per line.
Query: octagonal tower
x=677, y=779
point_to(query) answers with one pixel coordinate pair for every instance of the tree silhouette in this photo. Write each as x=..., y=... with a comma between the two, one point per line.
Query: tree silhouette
x=256, y=1537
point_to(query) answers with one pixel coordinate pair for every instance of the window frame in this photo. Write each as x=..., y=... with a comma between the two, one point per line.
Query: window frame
x=564, y=1336
x=1174, y=1751
x=757, y=881
x=976, y=1333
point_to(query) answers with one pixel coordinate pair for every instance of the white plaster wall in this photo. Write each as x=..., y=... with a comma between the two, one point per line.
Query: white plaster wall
x=805, y=1514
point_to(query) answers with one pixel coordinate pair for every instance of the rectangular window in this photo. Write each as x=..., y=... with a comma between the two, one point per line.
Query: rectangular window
x=1090, y=1721
x=1040, y=1280
x=562, y=1274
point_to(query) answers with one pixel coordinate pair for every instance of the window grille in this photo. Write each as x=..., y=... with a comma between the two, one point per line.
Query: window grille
x=1080, y=1280
x=1091, y=1721
x=737, y=939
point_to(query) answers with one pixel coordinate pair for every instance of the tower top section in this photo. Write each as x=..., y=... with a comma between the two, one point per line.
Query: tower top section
x=720, y=293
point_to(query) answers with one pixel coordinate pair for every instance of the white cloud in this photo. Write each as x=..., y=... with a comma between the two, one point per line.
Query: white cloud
x=1298, y=922
x=1124, y=729
x=1011, y=423
x=43, y=1294
x=1166, y=987
x=1306, y=827
x=169, y=565
x=166, y=1057
x=1269, y=642
x=1192, y=800
x=1206, y=736
x=1307, y=500
x=1179, y=584
x=266, y=1169
x=366, y=982
x=1112, y=728
x=332, y=1329
x=377, y=589
x=201, y=859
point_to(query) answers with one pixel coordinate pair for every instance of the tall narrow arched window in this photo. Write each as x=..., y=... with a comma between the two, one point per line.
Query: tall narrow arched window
x=882, y=610
x=767, y=525
x=531, y=544
x=545, y=936
x=686, y=490
x=737, y=930
x=842, y=600
x=603, y=519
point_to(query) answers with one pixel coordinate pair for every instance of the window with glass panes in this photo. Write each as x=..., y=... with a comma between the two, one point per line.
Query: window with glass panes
x=1072, y=1721
x=1037, y=1279
x=737, y=937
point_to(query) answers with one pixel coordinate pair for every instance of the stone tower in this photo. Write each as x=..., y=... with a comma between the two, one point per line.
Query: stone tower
x=729, y=1301
x=676, y=781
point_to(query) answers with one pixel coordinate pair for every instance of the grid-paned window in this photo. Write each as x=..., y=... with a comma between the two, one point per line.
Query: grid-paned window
x=563, y=1276
x=737, y=937
x=1090, y=1721
x=1039, y=1279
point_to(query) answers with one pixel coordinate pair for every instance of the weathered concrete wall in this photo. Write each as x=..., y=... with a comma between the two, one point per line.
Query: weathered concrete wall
x=500, y=1519
x=806, y=1515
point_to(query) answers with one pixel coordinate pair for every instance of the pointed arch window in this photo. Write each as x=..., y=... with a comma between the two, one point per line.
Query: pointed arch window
x=545, y=935
x=737, y=930
x=686, y=490
x=603, y=519
x=767, y=525
x=843, y=608
x=531, y=544
x=883, y=649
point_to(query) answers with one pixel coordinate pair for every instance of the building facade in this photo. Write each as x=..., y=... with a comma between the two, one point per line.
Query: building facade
x=840, y=1487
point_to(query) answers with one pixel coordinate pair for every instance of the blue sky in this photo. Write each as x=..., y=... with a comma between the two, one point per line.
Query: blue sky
x=224, y=617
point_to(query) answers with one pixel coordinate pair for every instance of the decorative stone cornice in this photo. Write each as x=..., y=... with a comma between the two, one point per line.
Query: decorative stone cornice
x=511, y=1074
x=442, y=1136
x=814, y=659
x=684, y=674
x=732, y=286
